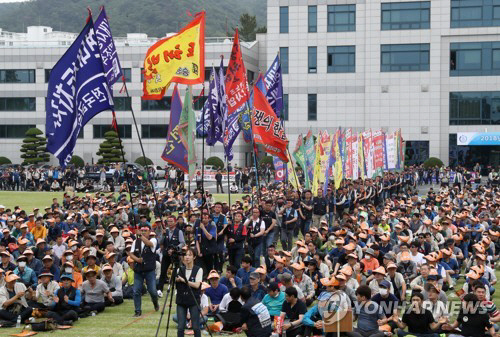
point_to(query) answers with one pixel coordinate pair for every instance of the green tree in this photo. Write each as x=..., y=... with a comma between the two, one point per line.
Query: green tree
x=110, y=149
x=215, y=162
x=5, y=160
x=34, y=147
x=144, y=161
x=77, y=161
x=248, y=27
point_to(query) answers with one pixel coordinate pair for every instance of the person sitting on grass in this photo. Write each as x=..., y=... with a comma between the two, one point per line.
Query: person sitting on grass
x=292, y=312
x=66, y=304
x=94, y=291
x=274, y=299
x=257, y=289
x=368, y=315
x=45, y=291
x=114, y=284
x=13, y=300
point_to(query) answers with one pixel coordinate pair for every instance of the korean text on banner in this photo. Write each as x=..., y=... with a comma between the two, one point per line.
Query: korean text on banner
x=109, y=55
x=175, y=153
x=179, y=58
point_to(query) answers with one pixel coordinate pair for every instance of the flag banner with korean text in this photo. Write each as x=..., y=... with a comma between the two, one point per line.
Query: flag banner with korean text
x=179, y=58
x=237, y=95
x=109, y=55
x=267, y=128
x=77, y=91
x=175, y=153
x=310, y=157
x=187, y=128
x=279, y=169
x=274, y=85
x=209, y=123
x=246, y=114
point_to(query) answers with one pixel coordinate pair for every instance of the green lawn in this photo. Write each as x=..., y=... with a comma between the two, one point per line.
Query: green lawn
x=118, y=321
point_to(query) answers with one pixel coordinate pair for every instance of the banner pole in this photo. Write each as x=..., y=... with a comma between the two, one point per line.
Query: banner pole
x=293, y=168
x=255, y=159
x=203, y=147
x=115, y=125
x=228, y=185
x=142, y=148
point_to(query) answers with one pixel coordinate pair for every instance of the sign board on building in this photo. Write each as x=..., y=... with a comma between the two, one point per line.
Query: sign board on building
x=478, y=138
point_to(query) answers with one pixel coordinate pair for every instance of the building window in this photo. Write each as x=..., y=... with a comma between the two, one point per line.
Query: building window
x=283, y=19
x=127, y=73
x=284, y=59
x=81, y=134
x=123, y=103
x=475, y=59
x=312, y=107
x=125, y=130
x=154, y=130
x=416, y=152
x=284, y=115
x=341, y=59
x=14, y=131
x=312, y=60
x=475, y=13
x=142, y=74
x=208, y=71
x=406, y=15
x=405, y=57
x=250, y=76
x=17, y=104
x=17, y=76
x=312, y=19
x=153, y=105
x=47, y=75
x=475, y=108
x=341, y=18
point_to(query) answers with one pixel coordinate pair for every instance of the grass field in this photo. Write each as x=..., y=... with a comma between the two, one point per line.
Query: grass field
x=118, y=321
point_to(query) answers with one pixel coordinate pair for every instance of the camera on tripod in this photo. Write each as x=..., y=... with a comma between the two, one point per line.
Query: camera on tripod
x=176, y=251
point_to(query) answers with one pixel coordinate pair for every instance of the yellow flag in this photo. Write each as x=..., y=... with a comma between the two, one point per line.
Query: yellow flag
x=338, y=162
x=293, y=179
x=179, y=58
x=317, y=166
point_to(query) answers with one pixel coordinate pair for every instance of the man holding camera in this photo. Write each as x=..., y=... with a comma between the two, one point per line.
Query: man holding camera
x=173, y=240
x=143, y=254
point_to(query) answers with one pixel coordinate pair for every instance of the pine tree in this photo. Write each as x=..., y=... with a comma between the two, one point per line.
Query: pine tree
x=110, y=149
x=34, y=147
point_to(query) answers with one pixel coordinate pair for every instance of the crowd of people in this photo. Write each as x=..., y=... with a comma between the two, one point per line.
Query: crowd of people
x=268, y=262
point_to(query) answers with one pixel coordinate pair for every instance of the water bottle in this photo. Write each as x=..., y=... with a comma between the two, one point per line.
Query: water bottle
x=18, y=324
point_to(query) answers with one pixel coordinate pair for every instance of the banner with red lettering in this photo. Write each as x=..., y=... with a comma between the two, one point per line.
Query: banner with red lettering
x=378, y=145
x=237, y=91
x=348, y=149
x=267, y=129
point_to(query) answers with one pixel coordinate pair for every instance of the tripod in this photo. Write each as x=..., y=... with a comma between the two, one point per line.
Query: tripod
x=170, y=291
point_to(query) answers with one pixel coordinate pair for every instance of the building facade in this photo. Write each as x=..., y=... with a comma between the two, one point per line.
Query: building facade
x=25, y=63
x=431, y=68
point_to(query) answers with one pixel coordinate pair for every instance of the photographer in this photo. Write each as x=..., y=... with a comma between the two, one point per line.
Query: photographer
x=144, y=267
x=173, y=239
x=256, y=229
x=188, y=275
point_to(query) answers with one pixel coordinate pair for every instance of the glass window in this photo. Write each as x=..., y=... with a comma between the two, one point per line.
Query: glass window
x=474, y=59
x=405, y=57
x=312, y=19
x=475, y=13
x=312, y=60
x=250, y=76
x=406, y=15
x=284, y=19
x=284, y=59
x=475, y=108
x=416, y=152
x=127, y=73
x=208, y=70
x=47, y=75
x=152, y=105
x=154, y=130
x=125, y=130
x=17, y=104
x=341, y=18
x=17, y=76
x=341, y=59
x=123, y=103
x=14, y=131
x=80, y=135
x=284, y=116
x=312, y=107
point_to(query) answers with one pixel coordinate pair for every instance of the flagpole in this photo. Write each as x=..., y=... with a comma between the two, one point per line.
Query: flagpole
x=228, y=184
x=293, y=168
x=142, y=147
x=115, y=125
x=203, y=147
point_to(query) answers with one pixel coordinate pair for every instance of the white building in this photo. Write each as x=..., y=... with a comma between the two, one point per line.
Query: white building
x=431, y=68
x=25, y=63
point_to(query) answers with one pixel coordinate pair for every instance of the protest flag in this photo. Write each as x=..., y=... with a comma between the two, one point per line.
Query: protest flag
x=179, y=58
x=187, y=127
x=274, y=86
x=267, y=128
x=109, y=55
x=175, y=153
x=77, y=91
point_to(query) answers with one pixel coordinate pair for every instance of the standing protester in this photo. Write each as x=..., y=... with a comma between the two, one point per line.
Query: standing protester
x=288, y=223
x=256, y=229
x=220, y=221
x=173, y=240
x=206, y=242
x=236, y=236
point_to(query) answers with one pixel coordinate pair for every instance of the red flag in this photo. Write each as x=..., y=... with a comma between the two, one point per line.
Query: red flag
x=237, y=92
x=267, y=128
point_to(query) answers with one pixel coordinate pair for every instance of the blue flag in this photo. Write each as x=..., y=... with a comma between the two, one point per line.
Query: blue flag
x=175, y=153
x=204, y=121
x=274, y=85
x=213, y=106
x=109, y=56
x=77, y=91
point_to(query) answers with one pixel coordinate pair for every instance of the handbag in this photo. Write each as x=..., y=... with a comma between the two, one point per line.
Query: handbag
x=47, y=325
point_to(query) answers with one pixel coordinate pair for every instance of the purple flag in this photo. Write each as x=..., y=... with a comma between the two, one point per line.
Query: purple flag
x=274, y=85
x=210, y=121
x=175, y=153
x=109, y=56
x=279, y=169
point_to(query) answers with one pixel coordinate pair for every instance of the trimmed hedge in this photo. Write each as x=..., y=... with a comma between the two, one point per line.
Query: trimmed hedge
x=216, y=162
x=433, y=162
x=77, y=161
x=143, y=161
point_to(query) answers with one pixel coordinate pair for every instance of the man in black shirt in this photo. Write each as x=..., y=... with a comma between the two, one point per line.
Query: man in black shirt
x=473, y=319
x=269, y=218
x=320, y=208
x=218, y=179
x=293, y=311
x=419, y=320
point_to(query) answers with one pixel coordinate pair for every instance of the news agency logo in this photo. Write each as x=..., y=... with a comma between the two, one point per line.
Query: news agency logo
x=463, y=139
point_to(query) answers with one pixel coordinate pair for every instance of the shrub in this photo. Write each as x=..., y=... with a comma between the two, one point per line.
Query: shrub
x=110, y=149
x=5, y=160
x=143, y=161
x=433, y=162
x=77, y=161
x=33, y=147
x=215, y=162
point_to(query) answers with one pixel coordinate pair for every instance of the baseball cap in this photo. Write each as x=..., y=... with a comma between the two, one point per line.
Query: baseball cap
x=254, y=275
x=385, y=284
x=273, y=286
